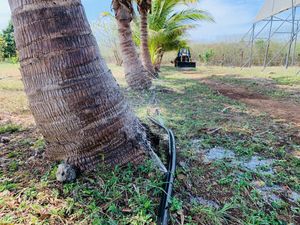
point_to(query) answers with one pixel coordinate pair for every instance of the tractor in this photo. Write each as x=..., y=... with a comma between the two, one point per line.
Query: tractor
x=183, y=59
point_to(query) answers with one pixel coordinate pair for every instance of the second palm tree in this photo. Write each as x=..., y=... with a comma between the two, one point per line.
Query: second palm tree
x=144, y=7
x=136, y=76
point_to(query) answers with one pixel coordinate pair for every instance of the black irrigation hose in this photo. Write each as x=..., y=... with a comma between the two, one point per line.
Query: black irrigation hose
x=163, y=216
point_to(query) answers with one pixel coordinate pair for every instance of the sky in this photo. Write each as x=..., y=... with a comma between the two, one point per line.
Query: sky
x=233, y=18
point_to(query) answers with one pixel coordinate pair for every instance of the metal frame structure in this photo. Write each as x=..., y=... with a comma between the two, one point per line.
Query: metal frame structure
x=272, y=26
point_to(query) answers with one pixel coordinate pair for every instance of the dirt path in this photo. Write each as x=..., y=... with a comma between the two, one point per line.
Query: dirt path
x=286, y=110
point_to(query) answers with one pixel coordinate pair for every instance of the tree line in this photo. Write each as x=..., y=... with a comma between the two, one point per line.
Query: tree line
x=167, y=23
x=238, y=53
x=8, y=45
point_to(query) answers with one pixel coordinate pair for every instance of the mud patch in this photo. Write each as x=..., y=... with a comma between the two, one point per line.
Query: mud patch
x=254, y=164
x=218, y=154
x=275, y=192
x=205, y=202
x=264, y=166
x=285, y=110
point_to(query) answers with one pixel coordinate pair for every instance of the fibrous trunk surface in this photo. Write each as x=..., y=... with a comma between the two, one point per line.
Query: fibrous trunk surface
x=137, y=77
x=73, y=96
x=158, y=60
x=145, y=53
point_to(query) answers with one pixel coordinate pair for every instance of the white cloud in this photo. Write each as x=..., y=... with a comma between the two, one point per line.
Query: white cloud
x=4, y=14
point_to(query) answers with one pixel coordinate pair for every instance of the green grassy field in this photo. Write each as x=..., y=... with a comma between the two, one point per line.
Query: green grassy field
x=12, y=96
x=210, y=188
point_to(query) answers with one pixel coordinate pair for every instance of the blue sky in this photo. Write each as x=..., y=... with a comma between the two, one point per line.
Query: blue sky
x=233, y=17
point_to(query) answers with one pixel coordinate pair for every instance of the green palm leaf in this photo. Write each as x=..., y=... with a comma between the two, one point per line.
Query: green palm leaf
x=169, y=22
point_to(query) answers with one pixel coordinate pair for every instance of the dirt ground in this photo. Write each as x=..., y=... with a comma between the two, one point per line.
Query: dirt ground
x=284, y=110
x=237, y=133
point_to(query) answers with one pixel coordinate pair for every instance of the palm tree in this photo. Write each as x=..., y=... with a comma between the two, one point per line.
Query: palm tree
x=76, y=103
x=144, y=7
x=136, y=75
x=168, y=26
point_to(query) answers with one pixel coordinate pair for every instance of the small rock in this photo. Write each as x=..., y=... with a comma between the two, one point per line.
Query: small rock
x=5, y=140
x=65, y=173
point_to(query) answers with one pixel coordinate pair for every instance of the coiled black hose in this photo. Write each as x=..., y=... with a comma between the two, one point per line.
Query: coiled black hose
x=163, y=217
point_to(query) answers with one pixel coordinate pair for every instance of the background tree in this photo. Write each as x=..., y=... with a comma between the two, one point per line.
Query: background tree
x=136, y=76
x=2, y=45
x=260, y=46
x=76, y=103
x=206, y=56
x=169, y=22
x=106, y=33
x=9, y=48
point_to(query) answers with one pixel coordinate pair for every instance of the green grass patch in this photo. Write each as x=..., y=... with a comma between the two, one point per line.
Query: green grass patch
x=201, y=118
x=9, y=128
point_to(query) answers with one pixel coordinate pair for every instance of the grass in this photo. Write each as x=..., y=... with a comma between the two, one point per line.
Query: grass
x=12, y=96
x=201, y=119
x=29, y=193
x=9, y=128
x=276, y=82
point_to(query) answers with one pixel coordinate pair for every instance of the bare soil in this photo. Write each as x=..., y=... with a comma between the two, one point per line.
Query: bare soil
x=285, y=110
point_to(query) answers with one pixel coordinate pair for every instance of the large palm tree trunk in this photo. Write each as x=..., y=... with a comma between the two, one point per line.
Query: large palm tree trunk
x=76, y=103
x=145, y=53
x=136, y=75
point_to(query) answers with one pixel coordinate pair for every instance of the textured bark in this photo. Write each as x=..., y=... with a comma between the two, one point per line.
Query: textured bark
x=136, y=75
x=119, y=61
x=158, y=61
x=145, y=53
x=76, y=102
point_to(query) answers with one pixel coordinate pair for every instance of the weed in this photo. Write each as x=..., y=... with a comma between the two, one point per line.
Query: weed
x=176, y=204
x=201, y=119
x=214, y=216
x=13, y=166
x=7, y=185
x=9, y=128
x=39, y=144
x=31, y=193
x=12, y=154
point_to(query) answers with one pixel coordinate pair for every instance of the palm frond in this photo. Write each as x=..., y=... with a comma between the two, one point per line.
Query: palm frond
x=168, y=24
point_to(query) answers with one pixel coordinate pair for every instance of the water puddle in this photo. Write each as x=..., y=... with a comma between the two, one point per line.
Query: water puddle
x=258, y=164
x=273, y=193
x=218, y=154
x=255, y=164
